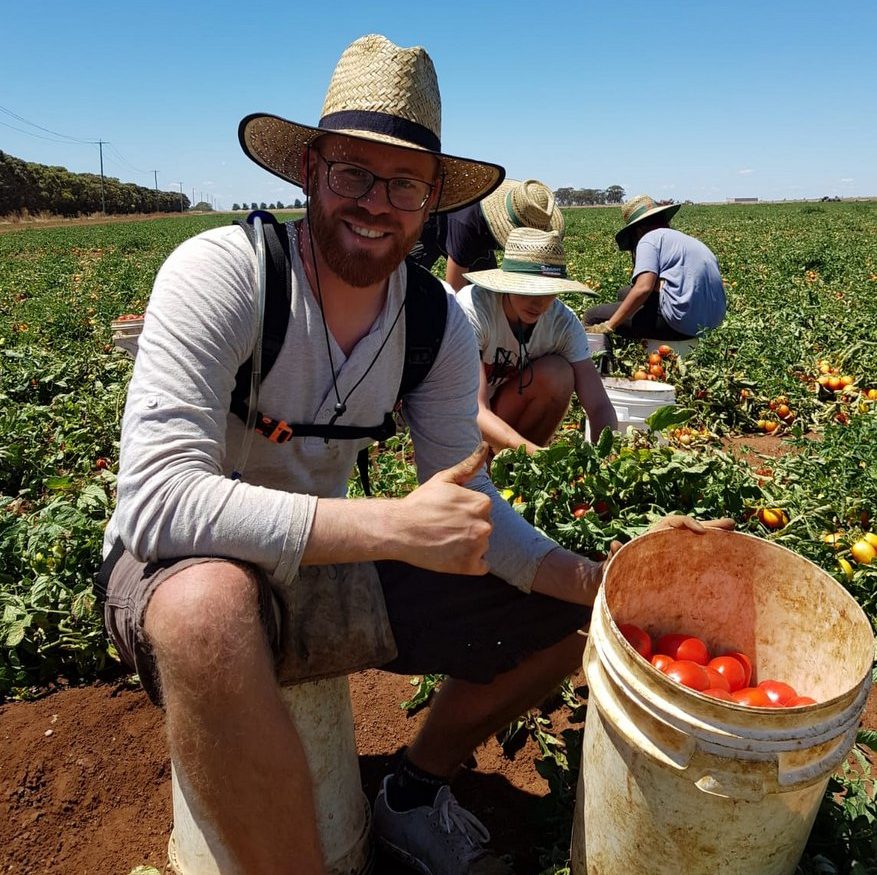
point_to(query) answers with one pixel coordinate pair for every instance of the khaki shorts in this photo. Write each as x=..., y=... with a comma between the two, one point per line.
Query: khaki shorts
x=466, y=627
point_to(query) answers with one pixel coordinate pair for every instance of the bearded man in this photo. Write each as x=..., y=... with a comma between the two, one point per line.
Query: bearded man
x=221, y=587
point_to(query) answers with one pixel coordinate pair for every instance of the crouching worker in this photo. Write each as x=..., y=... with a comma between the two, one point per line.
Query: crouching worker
x=677, y=289
x=534, y=350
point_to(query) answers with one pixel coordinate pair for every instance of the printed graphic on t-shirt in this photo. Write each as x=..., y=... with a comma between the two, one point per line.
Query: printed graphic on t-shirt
x=504, y=365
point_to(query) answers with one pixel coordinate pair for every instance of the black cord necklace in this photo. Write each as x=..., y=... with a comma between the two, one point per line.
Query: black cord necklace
x=340, y=404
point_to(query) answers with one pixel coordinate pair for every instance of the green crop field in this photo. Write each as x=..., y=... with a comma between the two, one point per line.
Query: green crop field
x=795, y=358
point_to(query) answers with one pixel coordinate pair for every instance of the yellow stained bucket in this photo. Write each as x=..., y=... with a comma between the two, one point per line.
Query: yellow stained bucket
x=676, y=782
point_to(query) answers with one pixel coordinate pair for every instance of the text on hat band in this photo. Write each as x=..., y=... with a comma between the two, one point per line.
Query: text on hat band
x=511, y=265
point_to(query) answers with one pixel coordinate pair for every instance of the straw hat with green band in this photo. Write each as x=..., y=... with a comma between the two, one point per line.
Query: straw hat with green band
x=381, y=92
x=528, y=204
x=637, y=209
x=533, y=264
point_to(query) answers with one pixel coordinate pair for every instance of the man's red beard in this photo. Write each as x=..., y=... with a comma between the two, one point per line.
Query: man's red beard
x=357, y=269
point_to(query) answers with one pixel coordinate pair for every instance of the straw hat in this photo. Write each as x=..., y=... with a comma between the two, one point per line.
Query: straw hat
x=637, y=209
x=517, y=204
x=382, y=92
x=533, y=264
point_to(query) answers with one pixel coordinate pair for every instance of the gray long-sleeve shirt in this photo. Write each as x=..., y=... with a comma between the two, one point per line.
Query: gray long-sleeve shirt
x=179, y=441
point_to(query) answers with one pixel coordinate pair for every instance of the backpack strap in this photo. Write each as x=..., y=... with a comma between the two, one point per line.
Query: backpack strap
x=426, y=314
x=278, y=297
x=426, y=311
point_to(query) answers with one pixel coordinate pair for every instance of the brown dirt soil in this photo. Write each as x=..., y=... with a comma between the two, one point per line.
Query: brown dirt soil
x=750, y=447
x=85, y=779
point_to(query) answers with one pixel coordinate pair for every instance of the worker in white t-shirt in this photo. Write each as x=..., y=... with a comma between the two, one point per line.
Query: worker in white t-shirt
x=534, y=350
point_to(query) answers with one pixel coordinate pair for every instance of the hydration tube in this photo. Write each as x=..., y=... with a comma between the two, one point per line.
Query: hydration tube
x=256, y=373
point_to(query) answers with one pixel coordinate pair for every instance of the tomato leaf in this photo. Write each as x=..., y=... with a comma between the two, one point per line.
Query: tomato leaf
x=665, y=417
x=59, y=483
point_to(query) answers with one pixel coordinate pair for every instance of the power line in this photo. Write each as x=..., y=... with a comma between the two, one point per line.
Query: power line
x=39, y=137
x=125, y=161
x=15, y=115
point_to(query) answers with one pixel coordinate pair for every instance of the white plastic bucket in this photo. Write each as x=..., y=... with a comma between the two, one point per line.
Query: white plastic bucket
x=635, y=400
x=126, y=333
x=596, y=344
x=324, y=718
x=681, y=347
x=673, y=781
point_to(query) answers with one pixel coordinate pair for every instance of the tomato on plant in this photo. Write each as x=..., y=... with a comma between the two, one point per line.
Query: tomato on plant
x=638, y=639
x=579, y=510
x=101, y=464
x=665, y=350
x=863, y=552
x=773, y=517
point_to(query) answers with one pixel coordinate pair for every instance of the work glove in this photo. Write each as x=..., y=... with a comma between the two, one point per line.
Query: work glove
x=599, y=328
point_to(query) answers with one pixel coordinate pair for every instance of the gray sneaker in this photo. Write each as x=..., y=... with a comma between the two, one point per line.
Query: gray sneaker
x=445, y=839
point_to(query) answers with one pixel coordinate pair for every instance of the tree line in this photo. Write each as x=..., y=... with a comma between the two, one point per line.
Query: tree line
x=296, y=205
x=39, y=188
x=586, y=197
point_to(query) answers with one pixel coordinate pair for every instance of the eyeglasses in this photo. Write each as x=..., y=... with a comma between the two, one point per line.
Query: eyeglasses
x=349, y=180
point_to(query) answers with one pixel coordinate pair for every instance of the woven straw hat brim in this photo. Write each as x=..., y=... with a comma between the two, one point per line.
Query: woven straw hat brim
x=497, y=216
x=278, y=145
x=499, y=280
x=622, y=238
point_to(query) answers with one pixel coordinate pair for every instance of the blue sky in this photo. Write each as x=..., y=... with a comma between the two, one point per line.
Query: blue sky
x=700, y=99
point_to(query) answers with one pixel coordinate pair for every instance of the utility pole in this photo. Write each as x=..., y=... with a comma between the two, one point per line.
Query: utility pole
x=103, y=200
x=181, y=197
x=155, y=173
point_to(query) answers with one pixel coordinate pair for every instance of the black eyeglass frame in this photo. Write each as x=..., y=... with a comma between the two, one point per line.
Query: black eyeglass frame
x=374, y=179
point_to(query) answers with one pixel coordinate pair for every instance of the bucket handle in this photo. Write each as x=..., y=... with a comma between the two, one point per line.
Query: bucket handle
x=675, y=749
x=825, y=765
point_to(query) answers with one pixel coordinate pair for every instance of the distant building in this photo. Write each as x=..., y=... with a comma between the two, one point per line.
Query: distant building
x=742, y=200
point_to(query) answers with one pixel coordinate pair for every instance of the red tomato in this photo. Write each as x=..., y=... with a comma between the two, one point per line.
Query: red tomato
x=639, y=640
x=745, y=661
x=731, y=670
x=101, y=463
x=662, y=662
x=580, y=510
x=664, y=350
x=717, y=680
x=689, y=674
x=752, y=697
x=684, y=647
x=718, y=693
x=778, y=692
x=798, y=701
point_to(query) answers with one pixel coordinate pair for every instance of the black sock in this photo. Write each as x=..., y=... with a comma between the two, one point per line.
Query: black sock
x=411, y=787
